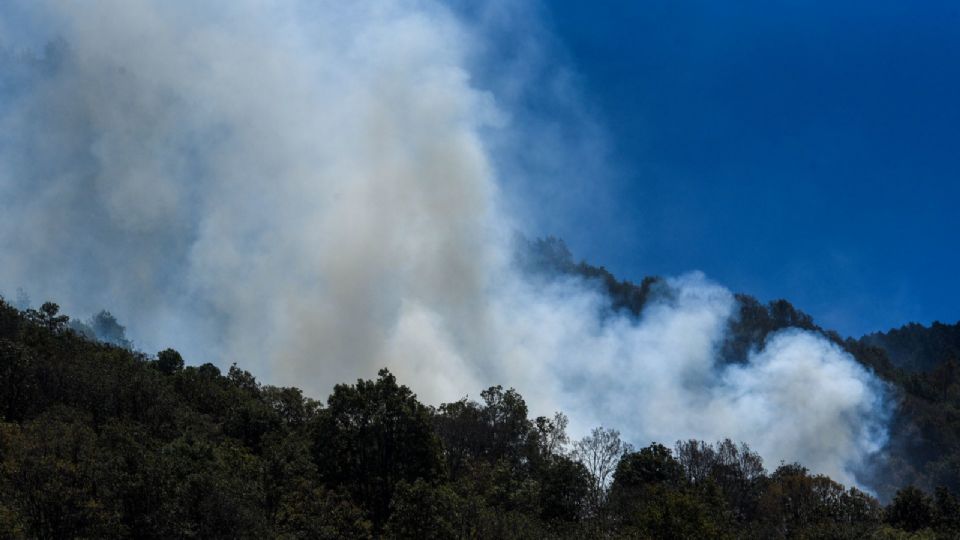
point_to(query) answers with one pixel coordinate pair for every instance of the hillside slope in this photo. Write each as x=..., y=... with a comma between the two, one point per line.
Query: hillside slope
x=921, y=364
x=917, y=348
x=100, y=441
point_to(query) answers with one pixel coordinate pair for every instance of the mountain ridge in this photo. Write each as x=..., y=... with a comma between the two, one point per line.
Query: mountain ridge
x=100, y=440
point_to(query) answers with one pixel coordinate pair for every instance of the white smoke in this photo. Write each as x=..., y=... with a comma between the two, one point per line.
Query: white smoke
x=310, y=189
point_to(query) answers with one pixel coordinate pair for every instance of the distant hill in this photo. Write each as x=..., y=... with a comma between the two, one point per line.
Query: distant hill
x=916, y=348
x=922, y=365
x=749, y=329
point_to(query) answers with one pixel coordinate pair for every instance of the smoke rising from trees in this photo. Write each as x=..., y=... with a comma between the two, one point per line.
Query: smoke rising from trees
x=314, y=190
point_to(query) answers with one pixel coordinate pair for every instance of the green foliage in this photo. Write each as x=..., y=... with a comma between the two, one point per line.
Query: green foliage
x=106, y=328
x=565, y=489
x=795, y=504
x=53, y=465
x=925, y=431
x=498, y=430
x=735, y=470
x=48, y=316
x=97, y=440
x=169, y=361
x=917, y=348
x=318, y=513
x=429, y=512
x=911, y=510
x=946, y=512
x=372, y=436
x=650, y=495
x=652, y=465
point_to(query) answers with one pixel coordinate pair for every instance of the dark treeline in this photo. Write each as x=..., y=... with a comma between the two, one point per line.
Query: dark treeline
x=918, y=348
x=97, y=440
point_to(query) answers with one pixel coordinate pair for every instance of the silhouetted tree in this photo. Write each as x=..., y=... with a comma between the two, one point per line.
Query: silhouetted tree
x=169, y=361
x=108, y=330
x=911, y=510
x=373, y=435
x=48, y=317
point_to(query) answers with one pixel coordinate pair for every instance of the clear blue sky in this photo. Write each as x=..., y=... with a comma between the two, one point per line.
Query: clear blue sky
x=805, y=150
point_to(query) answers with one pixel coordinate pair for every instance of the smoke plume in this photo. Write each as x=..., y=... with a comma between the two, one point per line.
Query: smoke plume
x=316, y=190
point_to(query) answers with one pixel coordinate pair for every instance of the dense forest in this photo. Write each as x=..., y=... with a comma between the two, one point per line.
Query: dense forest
x=100, y=440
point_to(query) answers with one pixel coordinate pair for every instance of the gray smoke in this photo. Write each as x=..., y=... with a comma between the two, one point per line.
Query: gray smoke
x=314, y=190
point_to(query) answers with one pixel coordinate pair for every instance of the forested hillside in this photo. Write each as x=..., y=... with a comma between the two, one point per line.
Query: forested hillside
x=100, y=441
x=922, y=365
x=917, y=348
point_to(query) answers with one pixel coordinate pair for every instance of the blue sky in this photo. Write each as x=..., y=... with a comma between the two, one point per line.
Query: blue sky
x=805, y=150
x=800, y=150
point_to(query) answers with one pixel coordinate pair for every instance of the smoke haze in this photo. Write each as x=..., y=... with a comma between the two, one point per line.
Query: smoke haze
x=318, y=189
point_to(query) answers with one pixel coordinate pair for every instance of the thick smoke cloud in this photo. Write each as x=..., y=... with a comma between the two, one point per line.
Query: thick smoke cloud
x=313, y=190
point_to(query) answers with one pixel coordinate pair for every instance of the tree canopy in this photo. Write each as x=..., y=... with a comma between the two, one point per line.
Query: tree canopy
x=98, y=440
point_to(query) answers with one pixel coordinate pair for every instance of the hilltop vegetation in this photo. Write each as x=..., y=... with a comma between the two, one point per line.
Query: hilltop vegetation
x=98, y=440
x=917, y=348
x=921, y=365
